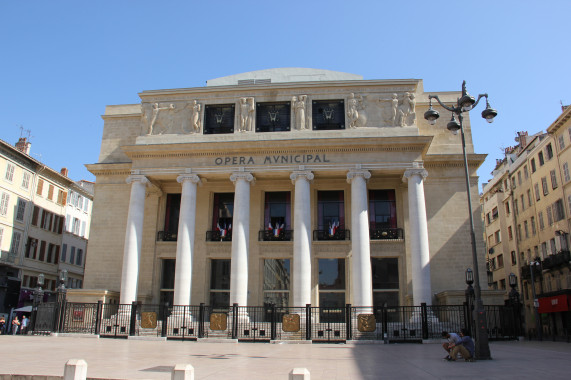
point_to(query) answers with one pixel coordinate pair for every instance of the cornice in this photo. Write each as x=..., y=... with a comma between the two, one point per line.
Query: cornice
x=560, y=121
x=119, y=169
x=121, y=116
x=387, y=83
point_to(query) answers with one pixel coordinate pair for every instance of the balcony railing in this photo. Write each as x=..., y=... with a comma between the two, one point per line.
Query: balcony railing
x=326, y=235
x=386, y=233
x=526, y=272
x=270, y=235
x=7, y=257
x=218, y=236
x=166, y=236
x=553, y=261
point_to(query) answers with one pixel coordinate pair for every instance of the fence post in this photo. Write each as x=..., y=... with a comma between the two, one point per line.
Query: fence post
x=385, y=313
x=201, y=320
x=164, y=318
x=308, y=321
x=348, y=321
x=273, y=322
x=235, y=321
x=133, y=322
x=424, y=317
x=98, y=317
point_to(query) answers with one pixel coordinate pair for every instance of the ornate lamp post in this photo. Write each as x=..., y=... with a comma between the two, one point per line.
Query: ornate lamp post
x=466, y=103
x=61, y=289
x=38, y=298
x=532, y=265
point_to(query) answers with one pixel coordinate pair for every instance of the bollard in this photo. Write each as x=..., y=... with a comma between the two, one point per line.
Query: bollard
x=299, y=374
x=75, y=369
x=182, y=372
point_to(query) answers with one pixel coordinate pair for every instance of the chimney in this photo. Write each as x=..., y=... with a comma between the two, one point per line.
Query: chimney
x=64, y=171
x=23, y=145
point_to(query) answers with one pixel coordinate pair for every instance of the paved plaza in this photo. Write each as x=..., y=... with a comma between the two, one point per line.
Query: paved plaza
x=138, y=359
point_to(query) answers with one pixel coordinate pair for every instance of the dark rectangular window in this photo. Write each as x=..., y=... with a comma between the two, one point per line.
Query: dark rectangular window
x=219, y=118
x=540, y=157
x=222, y=211
x=328, y=114
x=277, y=280
x=167, y=282
x=277, y=210
x=273, y=117
x=330, y=209
x=332, y=289
x=220, y=283
x=533, y=169
x=172, y=214
x=382, y=209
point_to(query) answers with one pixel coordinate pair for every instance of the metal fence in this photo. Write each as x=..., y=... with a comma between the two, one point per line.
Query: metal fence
x=270, y=322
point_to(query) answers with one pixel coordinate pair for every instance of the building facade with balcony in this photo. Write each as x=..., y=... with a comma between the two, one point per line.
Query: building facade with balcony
x=32, y=219
x=284, y=186
x=530, y=190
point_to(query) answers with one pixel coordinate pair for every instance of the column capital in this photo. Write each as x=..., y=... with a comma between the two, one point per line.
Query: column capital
x=414, y=171
x=300, y=174
x=358, y=173
x=242, y=175
x=137, y=178
x=188, y=177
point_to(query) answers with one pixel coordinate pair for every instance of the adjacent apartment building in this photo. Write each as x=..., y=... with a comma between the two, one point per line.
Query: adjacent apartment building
x=527, y=216
x=44, y=218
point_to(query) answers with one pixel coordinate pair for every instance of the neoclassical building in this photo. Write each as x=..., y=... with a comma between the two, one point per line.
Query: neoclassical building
x=286, y=186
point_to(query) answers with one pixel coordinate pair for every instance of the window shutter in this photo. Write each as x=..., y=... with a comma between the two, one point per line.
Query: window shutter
x=60, y=229
x=40, y=186
x=35, y=216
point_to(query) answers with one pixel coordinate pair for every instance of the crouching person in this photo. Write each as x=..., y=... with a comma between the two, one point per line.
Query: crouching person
x=464, y=347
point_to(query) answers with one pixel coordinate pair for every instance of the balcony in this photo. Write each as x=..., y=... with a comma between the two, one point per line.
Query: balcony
x=218, y=235
x=271, y=235
x=386, y=233
x=7, y=257
x=339, y=234
x=526, y=271
x=559, y=259
x=166, y=236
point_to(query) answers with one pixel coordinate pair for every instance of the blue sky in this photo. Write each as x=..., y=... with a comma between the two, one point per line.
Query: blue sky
x=62, y=62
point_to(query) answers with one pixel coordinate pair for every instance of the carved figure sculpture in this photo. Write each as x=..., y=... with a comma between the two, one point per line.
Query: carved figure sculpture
x=299, y=109
x=196, y=108
x=356, y=111
x=406, y=110
x=246, y=114
x=156, y=110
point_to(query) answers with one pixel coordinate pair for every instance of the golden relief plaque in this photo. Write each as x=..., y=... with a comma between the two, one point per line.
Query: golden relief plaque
x=149, y=320
x=366, y=322
x=218, y=321
x=290, y=323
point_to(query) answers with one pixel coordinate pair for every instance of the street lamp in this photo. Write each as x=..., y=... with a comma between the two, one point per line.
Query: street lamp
x=465, y=104
x=61, y=290
x=38, y=292
x=532, y=265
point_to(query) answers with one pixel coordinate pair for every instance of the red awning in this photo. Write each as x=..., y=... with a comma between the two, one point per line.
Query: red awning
x=554, y=304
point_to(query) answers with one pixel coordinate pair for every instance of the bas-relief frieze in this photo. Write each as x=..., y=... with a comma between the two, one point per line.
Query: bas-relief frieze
x=185, y=117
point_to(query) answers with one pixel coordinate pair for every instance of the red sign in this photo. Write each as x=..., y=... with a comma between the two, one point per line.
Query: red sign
x=554, y=304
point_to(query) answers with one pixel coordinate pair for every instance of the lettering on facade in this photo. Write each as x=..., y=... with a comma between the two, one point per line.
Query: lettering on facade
x=271, y=160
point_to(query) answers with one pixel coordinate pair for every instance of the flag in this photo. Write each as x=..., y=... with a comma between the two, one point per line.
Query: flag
x=270, y=226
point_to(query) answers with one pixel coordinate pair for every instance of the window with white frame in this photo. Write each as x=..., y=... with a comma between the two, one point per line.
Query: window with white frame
x=26, y=180
x=561, y=142
x=76, y=226
x=79, y=202
x=82, y=228
x=558, y=210
x=553, y=179
x=544, y=185
x=21, y=210
x=537, y=196
x=549, y=216
x=541, y=223
x=86, y=205
x=566, y=176
x=4, y=204
x=15, y=242
x=9, y=172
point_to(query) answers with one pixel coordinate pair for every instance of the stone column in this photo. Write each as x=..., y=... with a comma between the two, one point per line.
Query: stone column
x=302, y=238
x=361, y=276
x=418, y=236
x=133, y=239
x=185, y=239
x=240, y=239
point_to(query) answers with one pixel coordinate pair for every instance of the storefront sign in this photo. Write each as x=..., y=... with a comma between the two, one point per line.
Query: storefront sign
x=554, y=304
